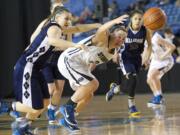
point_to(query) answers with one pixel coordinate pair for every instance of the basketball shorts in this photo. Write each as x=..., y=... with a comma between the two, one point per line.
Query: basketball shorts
x=76, y=73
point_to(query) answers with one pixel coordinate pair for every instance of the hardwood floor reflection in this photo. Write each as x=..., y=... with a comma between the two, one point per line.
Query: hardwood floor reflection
x=102, y=118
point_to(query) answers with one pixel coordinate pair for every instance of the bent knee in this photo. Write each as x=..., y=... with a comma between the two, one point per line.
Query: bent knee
x=46, y=102
x=95, y=84
x=36, y=111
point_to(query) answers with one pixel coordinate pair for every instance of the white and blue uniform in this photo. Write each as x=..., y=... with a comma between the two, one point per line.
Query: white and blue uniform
x=29, y=84
x=74, y=62
x=157, y=51
x=130, y=55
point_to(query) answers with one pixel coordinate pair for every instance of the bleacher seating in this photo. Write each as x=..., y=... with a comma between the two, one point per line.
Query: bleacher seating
x=173, y=12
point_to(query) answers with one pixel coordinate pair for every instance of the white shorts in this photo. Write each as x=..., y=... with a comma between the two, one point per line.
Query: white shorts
x=163, y=66
x=76, y=73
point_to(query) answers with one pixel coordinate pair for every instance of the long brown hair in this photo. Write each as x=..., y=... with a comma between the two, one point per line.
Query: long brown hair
x=134, y=12
x=57, y=10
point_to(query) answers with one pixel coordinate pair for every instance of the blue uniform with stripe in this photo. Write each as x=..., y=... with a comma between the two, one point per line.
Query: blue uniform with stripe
x=131, y=54
x=29, y=84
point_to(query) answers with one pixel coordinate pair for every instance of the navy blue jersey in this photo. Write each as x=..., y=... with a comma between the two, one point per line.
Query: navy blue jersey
x=134, y=43
x=29, y=86
x=39, y=50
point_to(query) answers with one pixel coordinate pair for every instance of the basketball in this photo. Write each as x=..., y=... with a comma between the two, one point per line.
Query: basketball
x=154, y=18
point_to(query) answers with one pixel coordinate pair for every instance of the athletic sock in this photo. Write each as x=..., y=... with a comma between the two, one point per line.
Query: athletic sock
x=70, y=102
x=131, y=101
x=51, y=106
x=158, y=92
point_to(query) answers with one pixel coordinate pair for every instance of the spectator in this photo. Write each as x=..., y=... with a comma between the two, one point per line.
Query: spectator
x=113, y=10
x=177, y=3
x=86, y=13
x=162, y=2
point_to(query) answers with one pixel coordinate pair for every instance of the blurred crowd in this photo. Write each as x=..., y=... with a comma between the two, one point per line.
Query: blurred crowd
x=90, y=16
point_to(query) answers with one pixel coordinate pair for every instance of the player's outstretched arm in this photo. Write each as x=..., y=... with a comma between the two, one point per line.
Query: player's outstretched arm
x=101, y=34
x=54, y=33
x=81, y=28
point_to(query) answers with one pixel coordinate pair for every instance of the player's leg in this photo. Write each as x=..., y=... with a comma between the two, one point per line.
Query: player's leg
x=48, y=74
x=114, y=88
x=56, y=96
x=130, y=85
x=34, y=116
x=46, y=100
x=55, y=101
x=155, y=85
x=129, y=81
x=154, y=78
x=59, y=83
x=68, y=109
x=155, y=73
x=58, y=92
x=29, y=99
x=82, y=81
x=83, y=103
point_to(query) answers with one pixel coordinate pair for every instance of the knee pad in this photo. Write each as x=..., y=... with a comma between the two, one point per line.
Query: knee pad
x=130, y=83
x=130, y=75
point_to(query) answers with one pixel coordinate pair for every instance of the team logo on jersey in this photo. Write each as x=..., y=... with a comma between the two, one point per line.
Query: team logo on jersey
x=102, y=57
x=134, y=40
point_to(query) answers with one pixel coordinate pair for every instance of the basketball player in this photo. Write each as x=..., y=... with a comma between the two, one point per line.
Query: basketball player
x=54, y=79
x=130, y=59
x=74, y=64
x=161, y=62
x=30, y=93
x=54, y=3
x=52, y=76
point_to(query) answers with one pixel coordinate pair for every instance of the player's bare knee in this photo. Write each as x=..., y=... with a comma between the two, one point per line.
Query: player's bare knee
x=35, y=111
x=46, y=102
x=152, y=76
x=95, y=84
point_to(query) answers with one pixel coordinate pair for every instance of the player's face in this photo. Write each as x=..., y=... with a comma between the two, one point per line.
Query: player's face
x=136, y=21
x=63, y=19
x=168, y=35
x=119, y=37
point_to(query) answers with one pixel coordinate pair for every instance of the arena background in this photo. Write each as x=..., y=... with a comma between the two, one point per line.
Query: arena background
x=20, y=17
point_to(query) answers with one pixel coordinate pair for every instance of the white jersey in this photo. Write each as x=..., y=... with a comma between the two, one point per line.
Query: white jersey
x=158, y=50
x=91, y=54
x=156, y=63
x=74, y=62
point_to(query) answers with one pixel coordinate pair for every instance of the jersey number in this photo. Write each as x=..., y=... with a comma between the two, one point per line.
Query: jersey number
x=102, y=57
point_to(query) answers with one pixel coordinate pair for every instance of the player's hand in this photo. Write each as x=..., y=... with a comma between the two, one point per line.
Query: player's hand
x=121, y=19
x=116, y=58
x=80, y=46
x=146, y=64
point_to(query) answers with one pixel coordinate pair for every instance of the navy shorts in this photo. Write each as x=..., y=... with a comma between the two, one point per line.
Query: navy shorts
x=30, y=87
x=130, y=66
x=50, y=71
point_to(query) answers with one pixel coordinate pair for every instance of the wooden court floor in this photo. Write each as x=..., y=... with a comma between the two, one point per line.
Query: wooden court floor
x=102, y=118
